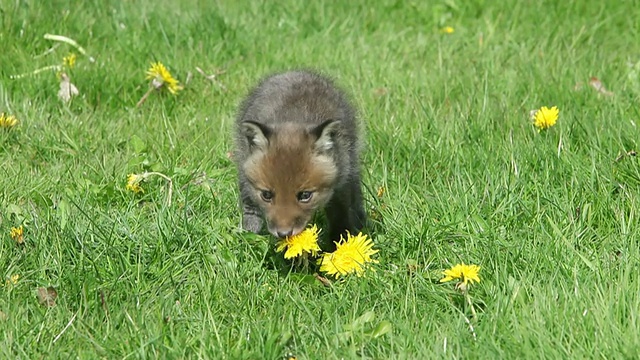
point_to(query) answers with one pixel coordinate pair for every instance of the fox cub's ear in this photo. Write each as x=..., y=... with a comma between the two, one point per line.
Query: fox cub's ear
x=257, y=135
x=325, y=134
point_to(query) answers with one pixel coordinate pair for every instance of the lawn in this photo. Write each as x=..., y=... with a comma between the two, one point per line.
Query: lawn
x=454, y=172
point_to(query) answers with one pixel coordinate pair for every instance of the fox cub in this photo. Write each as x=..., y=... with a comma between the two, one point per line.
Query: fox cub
x=296, y=152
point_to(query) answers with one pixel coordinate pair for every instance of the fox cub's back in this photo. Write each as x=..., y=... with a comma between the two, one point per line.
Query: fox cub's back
x=296, y=152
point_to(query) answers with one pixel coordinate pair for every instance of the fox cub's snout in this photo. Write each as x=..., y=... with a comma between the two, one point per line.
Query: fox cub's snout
x=297, y=152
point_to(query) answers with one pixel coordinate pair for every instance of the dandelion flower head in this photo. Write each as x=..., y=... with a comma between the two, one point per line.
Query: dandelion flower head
x=69, y=61
x=464, y=273
x=133, y=183
x=17, y=234
x=304, y=243
x=351, y=256
x=448, y=30
x=7, y=121
x=13, y=279
x=160, y=76
x=545, y=117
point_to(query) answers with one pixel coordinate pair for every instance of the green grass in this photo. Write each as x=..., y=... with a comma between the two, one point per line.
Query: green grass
x=552, y=218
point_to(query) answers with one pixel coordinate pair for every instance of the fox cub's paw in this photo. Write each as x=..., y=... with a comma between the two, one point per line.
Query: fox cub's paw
x=252, y=222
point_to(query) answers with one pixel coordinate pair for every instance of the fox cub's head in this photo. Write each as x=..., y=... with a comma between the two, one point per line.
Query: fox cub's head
x=291, y=171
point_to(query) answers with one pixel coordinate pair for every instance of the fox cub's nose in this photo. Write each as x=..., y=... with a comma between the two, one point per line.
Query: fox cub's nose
x=284, y=234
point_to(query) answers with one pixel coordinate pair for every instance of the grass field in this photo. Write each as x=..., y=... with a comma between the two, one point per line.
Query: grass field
x=552, y=217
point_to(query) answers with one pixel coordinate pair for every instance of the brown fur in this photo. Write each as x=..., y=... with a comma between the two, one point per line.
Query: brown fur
x=296, y=133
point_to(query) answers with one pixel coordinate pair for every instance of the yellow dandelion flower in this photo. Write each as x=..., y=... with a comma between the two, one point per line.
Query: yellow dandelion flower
x=545, y=117
x=381, y=191
x=161, y=77
x=13, y=279
x=133, y=183
x=351, y=256
x=304, y=243
x=69, y=61
x=7, y=121
x=17, y=234
x=464, y=273
x=448, y=30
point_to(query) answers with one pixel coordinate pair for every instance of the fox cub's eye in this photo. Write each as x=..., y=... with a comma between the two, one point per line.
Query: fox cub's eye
x=266, y=195
x=305, y=196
